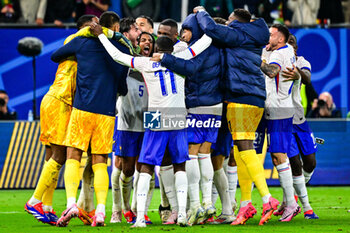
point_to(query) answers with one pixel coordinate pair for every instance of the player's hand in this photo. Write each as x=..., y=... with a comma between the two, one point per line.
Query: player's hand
x=95, y=29
x=290, y=74
x=198, y=9
x=157, y=57
x=268, y=47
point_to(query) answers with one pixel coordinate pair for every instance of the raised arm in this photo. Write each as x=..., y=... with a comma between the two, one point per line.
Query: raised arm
x=229, y=36
x=182, y=66
x=198, y=47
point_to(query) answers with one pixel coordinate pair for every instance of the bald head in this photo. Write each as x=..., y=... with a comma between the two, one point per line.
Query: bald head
x=326, y=97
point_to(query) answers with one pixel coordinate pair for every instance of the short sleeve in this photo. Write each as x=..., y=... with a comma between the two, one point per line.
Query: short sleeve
x=302, y=64
x=276, y=58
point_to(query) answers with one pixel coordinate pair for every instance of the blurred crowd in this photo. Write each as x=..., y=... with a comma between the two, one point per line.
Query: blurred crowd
x=289, y=12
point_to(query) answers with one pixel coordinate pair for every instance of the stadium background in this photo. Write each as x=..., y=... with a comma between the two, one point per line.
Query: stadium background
x=21, y=154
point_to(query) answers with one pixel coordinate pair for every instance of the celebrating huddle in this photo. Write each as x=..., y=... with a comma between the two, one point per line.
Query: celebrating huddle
x=186, y=110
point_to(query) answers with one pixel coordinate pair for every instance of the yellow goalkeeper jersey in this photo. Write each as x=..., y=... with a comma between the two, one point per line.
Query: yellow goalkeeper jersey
x=63, y=88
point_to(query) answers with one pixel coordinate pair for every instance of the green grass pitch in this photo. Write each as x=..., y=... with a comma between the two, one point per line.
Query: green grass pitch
x=332, y=204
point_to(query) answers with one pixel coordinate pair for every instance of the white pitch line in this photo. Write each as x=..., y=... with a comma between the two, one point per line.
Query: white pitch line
x=153, y=210
x=12, y=212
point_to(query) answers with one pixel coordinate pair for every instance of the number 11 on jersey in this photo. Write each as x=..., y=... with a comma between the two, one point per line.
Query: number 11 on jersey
x=161, y=76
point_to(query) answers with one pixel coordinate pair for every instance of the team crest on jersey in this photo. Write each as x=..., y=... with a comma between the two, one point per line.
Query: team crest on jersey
x=152, y=120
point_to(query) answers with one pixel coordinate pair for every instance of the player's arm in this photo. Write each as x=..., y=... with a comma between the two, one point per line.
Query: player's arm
x=66, y=50
x=182, y=66
x=271, y=70
x=291, y=74
x=198, y=47
x=305, y=75
x=231, y=37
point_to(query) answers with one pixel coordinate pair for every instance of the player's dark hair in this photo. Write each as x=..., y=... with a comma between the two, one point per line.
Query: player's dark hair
x=282, y=29
x=138, y=38
x=126, y=23
x=153, y=40
x=3, y=92
x=83, y=20
x=169, y=22
x=109, y=18
x=220, y=20
x=242, y=15
x=149, y=20
x=165, y=44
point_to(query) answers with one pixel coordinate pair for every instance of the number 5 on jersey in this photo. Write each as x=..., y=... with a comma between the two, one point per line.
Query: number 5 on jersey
x=141, y=90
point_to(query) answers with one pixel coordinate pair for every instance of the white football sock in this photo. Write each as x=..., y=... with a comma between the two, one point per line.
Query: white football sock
x=307, y=175
x=214, y=193
x=116, y=195
x=193, y=178
x=125, y=184
x=166, y=173
x=207, y=173
x=152, y=184
x=245, y=203
x=221, y=183
x=142, y=191
x=225, y=165
x=300, y=189
x=101, y=208
x=232, y=178
x=284, y=199
x=181, y=187
x=33, y=201
x=266, y=198
x=134, y=194
x=286, y=181
x=71, y=201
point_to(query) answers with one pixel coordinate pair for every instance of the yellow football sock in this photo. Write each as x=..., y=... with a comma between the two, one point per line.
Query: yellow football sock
x=255, y=170
x=101, y=182
x=71, y=178
x=48, y=176
x=48, y=194
x=245, y=183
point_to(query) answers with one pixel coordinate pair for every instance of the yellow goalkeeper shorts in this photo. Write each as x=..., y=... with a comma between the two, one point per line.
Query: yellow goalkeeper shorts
x=86, y=128
x=54, y=119
x=243, y=120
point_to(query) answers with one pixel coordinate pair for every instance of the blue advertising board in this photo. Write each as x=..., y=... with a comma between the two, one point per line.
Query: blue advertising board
x=22, y=155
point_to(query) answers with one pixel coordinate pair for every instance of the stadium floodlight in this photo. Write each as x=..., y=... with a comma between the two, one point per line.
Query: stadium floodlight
x=31, y=47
